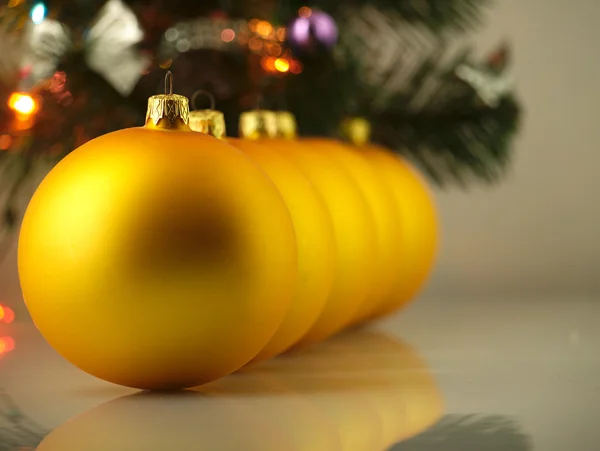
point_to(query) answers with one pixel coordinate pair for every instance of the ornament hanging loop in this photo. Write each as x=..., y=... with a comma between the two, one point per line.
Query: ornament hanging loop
x=169, y=83
x=210, y=96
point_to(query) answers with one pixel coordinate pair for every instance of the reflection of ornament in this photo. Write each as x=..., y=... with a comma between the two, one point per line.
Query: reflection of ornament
x=146, y=260
x=355, y=387
x=312, y=30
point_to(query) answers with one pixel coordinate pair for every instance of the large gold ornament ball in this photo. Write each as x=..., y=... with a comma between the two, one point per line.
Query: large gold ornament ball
x=157, y=259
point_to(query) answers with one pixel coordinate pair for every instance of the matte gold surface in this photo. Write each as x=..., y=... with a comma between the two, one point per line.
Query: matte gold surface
x=157, y=259
x=314, y=235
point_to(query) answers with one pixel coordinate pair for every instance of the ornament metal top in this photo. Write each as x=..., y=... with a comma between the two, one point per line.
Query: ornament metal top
x=168, y=111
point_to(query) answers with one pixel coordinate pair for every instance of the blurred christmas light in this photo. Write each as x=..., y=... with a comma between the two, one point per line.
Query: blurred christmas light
x=319, y=28
x=9, y=315
x=274, y=49
x=296, y=67
x=171, y=34
x=2, y=312
x=228, y=35
x=305, y=12
x=253, y=24
x=255, y=44
x=264, y=28
x=7, y=344
x=268, y=64
x=22, y=103
x=38, y=13
x=183, y=45
x=281, y=32
x=282, y=65
x=5, y=143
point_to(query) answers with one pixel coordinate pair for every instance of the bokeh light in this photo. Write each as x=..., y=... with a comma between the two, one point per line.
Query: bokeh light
x=305, y=12
x=264, y=28
x=7, y=344
x=9, y=315
x=38, y=13
x=5, y=142
x=282, y=65
x=22, y=103
x=274, y=49
x=6, y=315
x=296, y=67
x=227, y=35
x=253, y=24
x=255, y=44
x=281, y=33
x=319, y=27
x=268, y=64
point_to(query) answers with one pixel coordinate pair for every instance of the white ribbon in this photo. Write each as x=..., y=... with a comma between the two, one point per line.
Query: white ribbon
x=110, y=48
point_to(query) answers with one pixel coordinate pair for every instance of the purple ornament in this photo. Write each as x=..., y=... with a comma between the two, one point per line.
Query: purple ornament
x=316, y=30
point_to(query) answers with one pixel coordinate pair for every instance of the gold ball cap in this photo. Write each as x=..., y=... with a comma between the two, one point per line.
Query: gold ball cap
x=356, y=130
x=210, y=122
x=168, y=112
x=287, y=127
x=258, y=124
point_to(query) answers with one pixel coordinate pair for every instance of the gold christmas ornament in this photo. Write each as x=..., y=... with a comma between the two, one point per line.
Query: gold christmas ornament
x=157, y=258
x=380, y=202
x=418, y=231
x=314, y=236
x=353, y=231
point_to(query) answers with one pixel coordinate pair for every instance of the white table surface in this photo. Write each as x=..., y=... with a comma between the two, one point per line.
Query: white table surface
x=508, y=374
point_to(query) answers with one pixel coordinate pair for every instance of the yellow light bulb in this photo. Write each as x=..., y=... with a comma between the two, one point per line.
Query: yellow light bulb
x=282, y=65
x=23, y=104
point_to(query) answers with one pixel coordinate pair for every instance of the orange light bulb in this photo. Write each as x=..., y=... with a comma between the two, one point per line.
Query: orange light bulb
x=23, y=104
x=7, y=344
x=9, y=315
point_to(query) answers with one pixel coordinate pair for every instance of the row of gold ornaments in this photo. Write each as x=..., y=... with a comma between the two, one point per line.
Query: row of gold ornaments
x=159, y=258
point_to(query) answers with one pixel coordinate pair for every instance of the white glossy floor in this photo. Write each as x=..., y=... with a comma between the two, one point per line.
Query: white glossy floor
x=447, y=374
